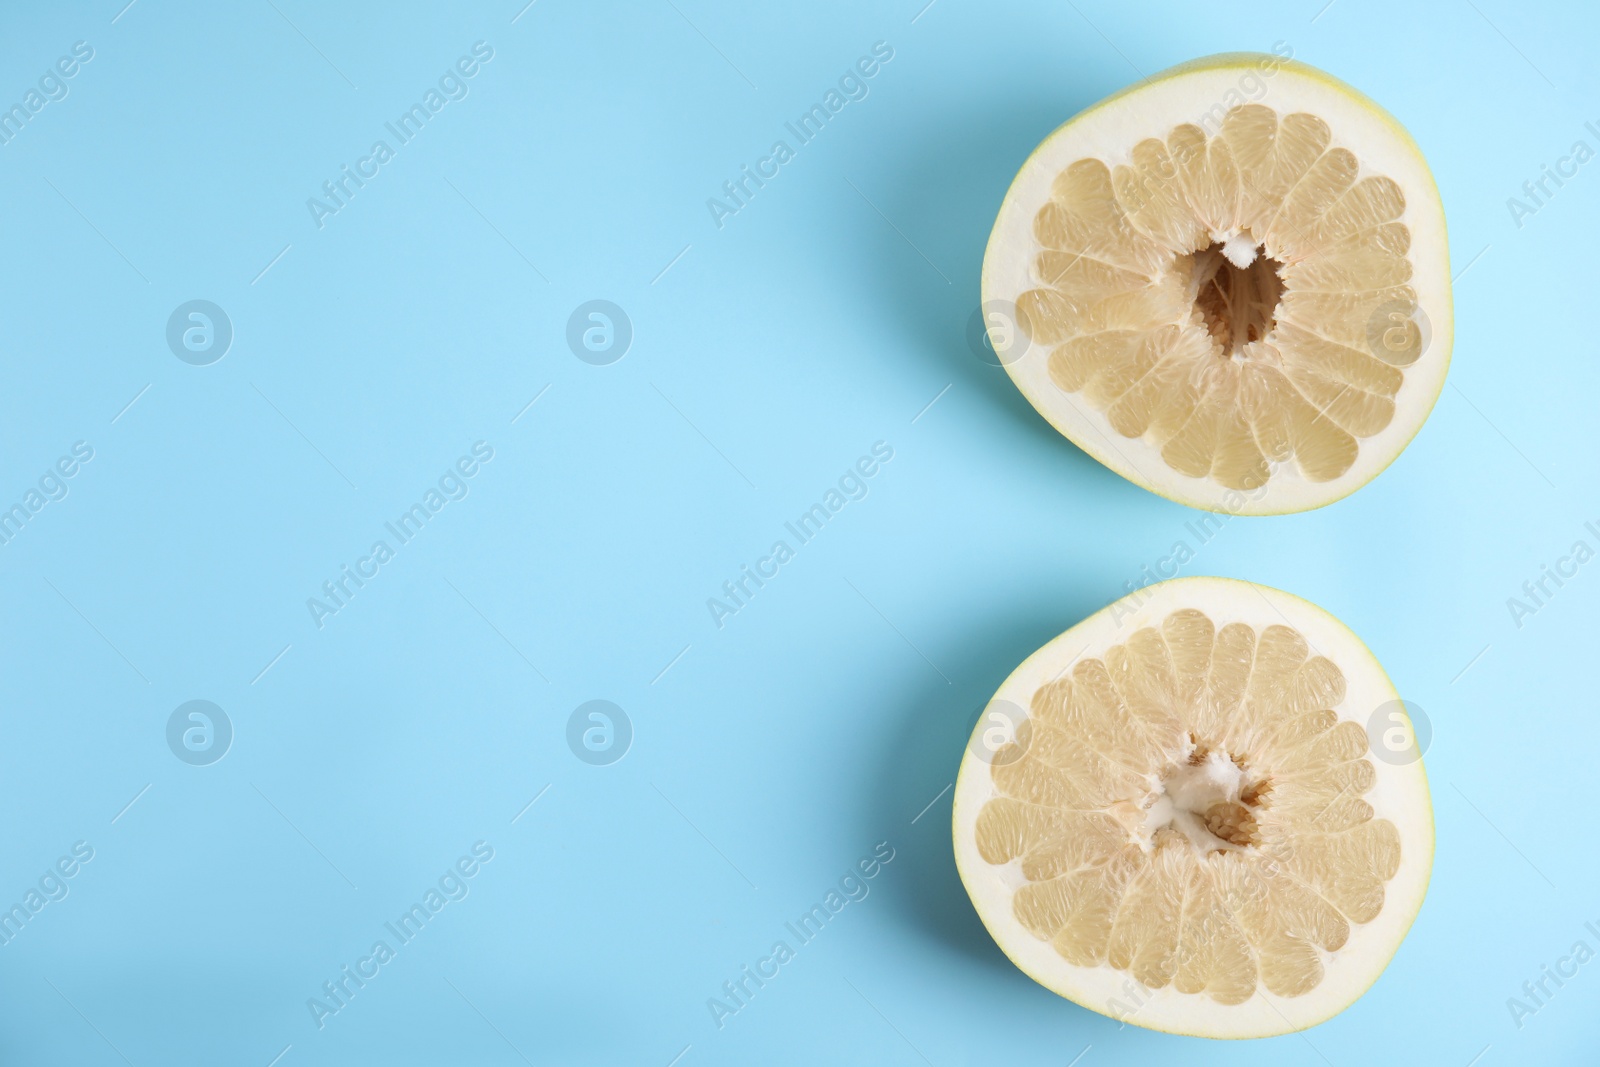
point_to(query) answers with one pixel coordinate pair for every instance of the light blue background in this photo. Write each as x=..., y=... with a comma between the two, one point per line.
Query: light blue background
x=825, y=716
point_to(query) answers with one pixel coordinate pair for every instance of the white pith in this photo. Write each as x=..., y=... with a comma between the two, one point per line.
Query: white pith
x=1186, y=792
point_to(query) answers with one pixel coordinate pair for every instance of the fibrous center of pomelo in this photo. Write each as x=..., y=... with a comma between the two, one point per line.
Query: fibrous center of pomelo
x=1188, y=808
x=1217, y=294
x=1236, y=292
x=1210, y=798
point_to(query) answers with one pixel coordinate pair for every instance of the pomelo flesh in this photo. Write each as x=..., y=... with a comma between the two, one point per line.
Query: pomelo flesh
x=1172, y=814
x=1230, y=284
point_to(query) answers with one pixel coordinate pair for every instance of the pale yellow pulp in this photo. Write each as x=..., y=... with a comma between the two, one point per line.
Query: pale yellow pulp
x=1188, y=808
x=1239, y=299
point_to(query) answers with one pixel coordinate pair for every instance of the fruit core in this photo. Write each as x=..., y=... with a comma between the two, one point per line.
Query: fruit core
x=1236, y=289
x=1211, y=798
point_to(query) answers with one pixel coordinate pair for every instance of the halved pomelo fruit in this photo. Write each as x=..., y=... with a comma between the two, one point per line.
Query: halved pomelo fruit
x=1229, y=284
x=1169, y=813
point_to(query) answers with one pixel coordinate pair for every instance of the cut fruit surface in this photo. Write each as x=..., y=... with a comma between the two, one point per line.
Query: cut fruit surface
x=1170, y=814
x=1229, y=284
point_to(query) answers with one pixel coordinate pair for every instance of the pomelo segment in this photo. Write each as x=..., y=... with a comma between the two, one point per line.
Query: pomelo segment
x=1229, y=284
x=1169, y=814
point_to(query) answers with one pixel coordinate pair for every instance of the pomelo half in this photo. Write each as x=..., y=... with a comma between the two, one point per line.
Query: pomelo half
x=1229, y=284
x=1171, y=814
